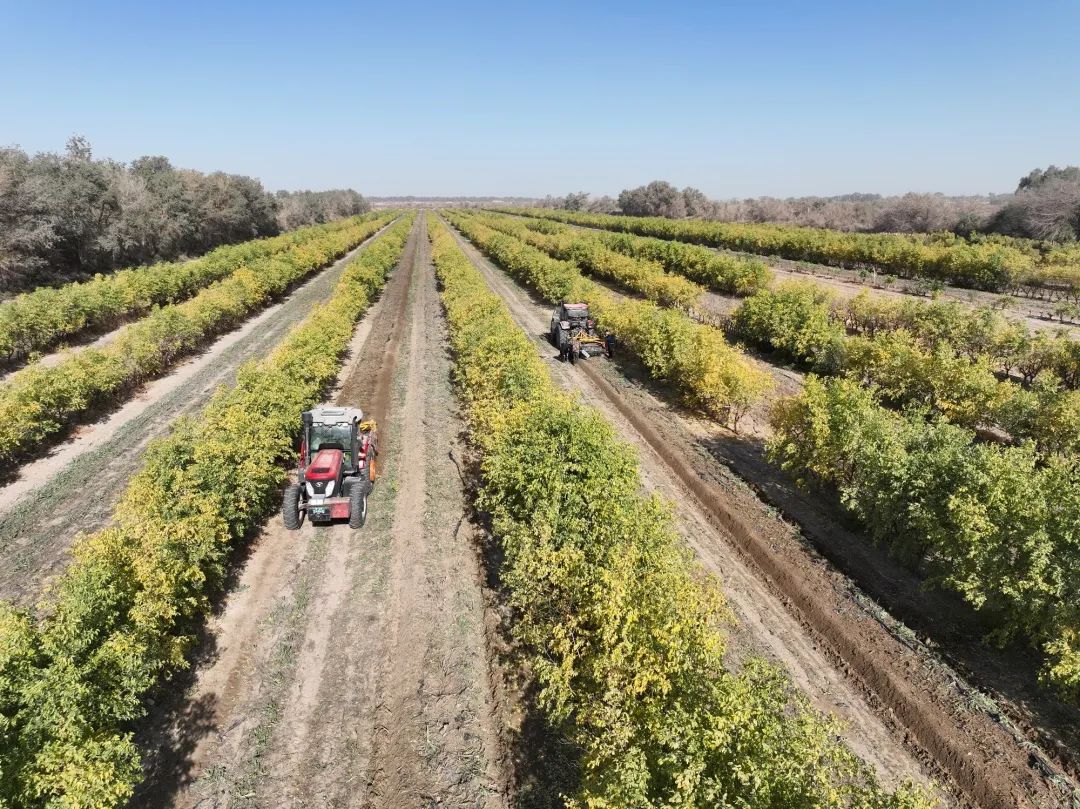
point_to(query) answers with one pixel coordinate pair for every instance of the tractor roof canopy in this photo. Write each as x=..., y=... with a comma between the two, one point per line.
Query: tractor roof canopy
x=335, y=415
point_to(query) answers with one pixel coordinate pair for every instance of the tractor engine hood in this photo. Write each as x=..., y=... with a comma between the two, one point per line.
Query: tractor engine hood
x=323, y=474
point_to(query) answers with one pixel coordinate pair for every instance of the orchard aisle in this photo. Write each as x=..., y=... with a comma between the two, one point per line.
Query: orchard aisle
x=350, y=668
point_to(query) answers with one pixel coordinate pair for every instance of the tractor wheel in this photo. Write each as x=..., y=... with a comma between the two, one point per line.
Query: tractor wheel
x=357, y=507
x=573, y=354
x=290, y=507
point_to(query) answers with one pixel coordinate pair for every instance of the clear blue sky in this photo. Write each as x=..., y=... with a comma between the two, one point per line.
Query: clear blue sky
x=738, y=99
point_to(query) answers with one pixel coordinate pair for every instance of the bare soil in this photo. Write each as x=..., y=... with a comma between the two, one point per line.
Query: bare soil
x=74, y=485
x=907, y=710
x=352, y=668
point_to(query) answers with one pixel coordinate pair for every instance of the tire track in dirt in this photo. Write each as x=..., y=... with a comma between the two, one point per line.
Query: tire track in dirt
x=425, y=750
x=369, y=386
x=397, y=777
x=75, y=487
x=882, y=688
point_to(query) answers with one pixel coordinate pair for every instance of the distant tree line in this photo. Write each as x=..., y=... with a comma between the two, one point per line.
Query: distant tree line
x=68, y=216
x=301, y=208
x=1045, y=205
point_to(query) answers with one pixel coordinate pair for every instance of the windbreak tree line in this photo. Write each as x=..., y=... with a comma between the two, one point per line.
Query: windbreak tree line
x=297, y=209
x=66, y=216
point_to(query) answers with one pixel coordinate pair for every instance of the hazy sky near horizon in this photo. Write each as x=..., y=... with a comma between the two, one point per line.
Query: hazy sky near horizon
x=472, y=98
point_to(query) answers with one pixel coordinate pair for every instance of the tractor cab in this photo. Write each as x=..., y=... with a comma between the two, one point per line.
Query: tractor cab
x=331, y=436
x=336, y=470
x=331, y=428
x=574, y=315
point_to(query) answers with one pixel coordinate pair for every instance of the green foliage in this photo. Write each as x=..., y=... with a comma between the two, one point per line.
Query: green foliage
x=996, y=524
x=1007, y=344
x=122, y=616
x=795, y=320
x=724, y=273
x=986, y=263
x=589, y=253
x=622, y=633
x=38, y=320
x=728, y=274
x=938, y=356
x=41, y=401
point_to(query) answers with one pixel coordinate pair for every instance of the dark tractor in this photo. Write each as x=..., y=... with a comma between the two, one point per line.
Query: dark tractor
x=574, y=333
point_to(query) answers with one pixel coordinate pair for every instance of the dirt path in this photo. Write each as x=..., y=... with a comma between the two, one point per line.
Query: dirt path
x=74, y=487
x=907, y=712
x=56, y=357
x=350, y=668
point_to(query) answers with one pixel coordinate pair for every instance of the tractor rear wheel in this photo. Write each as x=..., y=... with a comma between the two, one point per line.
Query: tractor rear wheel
x=357, y=507
x=290, y=507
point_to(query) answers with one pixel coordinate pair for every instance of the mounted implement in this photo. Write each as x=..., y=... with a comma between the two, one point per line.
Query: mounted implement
x=337, y=468
x=574, y=333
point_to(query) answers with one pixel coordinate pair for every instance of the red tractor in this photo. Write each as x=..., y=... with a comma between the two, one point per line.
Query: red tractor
x=337, y=468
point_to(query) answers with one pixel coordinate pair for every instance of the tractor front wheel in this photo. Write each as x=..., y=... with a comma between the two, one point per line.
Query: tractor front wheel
x=290, y=507
x=357, y=507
